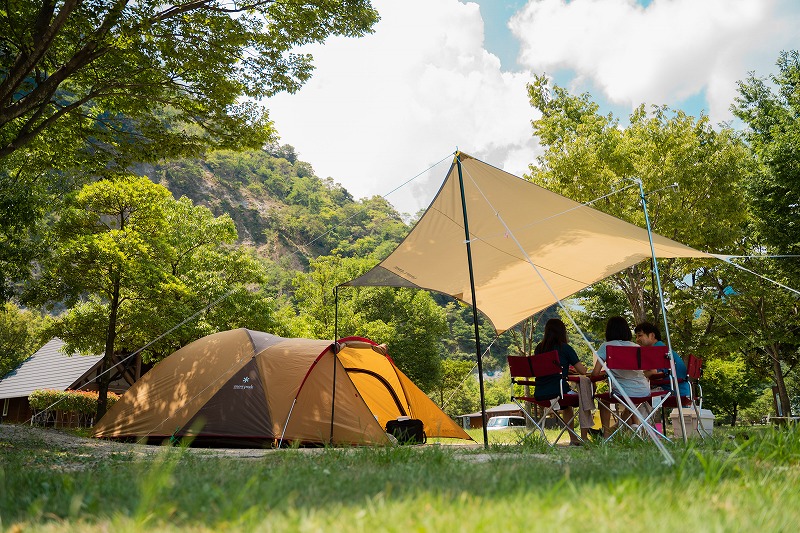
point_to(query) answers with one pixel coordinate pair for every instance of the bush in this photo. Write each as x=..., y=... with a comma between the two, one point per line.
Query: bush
x=68, y=401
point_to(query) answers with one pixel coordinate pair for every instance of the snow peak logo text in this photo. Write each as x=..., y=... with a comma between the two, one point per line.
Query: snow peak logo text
x=245, y=386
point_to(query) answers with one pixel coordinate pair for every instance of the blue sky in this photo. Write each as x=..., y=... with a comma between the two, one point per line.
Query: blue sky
x=498, y=38
x=441, y=74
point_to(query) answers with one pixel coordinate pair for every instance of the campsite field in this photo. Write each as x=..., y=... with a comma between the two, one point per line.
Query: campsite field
x=739, y=480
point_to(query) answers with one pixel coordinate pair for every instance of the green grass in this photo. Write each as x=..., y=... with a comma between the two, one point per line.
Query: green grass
x=736, y=481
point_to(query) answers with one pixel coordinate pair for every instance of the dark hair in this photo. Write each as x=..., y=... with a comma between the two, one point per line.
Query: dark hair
x=617, y=329
x=647, y=328
x=555, y=334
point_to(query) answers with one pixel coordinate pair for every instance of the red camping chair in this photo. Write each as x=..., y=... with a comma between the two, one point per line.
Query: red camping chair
x=524, y=371
x=693, y=371
x=634, y=358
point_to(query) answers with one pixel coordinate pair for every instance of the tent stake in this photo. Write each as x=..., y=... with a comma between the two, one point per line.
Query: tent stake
x=474, y=302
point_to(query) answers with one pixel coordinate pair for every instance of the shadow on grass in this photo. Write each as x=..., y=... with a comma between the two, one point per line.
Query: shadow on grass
x=41, y=484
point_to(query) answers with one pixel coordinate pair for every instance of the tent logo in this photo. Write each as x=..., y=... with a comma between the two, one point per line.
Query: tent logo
x=245, y=380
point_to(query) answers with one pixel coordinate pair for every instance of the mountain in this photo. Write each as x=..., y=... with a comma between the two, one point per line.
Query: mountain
x=280, y=206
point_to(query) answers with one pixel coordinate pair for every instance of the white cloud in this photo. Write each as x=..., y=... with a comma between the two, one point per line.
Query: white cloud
x=659, y=54
x=382, y=108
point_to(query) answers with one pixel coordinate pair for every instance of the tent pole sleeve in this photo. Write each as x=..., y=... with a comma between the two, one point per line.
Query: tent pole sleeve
x=474, y=301
x=673, y=374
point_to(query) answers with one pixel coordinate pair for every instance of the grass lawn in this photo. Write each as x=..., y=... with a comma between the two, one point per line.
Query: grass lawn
x=739, y=480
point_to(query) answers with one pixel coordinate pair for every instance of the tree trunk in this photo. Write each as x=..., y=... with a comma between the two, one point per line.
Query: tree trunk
x=783, y=395
x=111, y=335
x=777, y=371
x=631, y=283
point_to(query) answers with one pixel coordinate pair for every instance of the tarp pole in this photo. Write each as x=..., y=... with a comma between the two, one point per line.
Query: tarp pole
x=673, y=374
x=335, y=313
x=474, y=301
x=333, y=391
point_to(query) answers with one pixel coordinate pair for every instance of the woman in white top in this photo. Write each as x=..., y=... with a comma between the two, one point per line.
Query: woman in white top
x=633, y=382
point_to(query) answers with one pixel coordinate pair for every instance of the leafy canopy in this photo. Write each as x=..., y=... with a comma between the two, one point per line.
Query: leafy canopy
x=148, y=77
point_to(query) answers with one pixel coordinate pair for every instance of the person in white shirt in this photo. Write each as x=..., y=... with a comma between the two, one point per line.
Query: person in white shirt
x=633, y=382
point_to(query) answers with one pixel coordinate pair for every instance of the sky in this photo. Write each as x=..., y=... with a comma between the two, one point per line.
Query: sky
x=383, y=114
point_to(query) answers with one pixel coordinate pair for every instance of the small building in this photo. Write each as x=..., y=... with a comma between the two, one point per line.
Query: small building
x=50, y=368
x=473, y=420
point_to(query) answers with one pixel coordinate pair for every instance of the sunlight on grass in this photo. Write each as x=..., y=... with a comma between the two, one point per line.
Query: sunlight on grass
x=734, y=481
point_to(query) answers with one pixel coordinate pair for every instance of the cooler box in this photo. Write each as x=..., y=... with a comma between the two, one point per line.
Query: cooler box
x=706, y=422
x=706, y=425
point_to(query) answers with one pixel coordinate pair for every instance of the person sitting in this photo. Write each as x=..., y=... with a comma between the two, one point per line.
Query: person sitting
x=632, y=382
x=648, y=334
x=549, y=387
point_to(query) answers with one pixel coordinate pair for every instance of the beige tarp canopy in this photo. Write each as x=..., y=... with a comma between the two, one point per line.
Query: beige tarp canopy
x=572, y=245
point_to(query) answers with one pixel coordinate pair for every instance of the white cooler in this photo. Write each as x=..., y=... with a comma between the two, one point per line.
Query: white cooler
x=706, y=426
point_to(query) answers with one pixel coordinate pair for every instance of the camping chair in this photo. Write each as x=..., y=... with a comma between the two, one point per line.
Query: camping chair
x=634, y=358
x=694, y=369
x=524, y=371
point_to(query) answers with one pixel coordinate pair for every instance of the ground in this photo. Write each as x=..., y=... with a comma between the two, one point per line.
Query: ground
x=23, y=435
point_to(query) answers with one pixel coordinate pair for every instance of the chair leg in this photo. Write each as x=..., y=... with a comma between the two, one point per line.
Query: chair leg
x=532, y=420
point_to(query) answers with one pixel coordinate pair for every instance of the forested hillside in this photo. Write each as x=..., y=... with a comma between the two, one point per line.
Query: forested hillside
x=280, y=206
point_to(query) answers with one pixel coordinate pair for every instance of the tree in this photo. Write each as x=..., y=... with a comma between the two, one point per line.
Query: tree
x=728, y=386
x=690, y=173
x=89, y=87
x=21, y=333
x=451, y=382
x=130, y=261
x=108, y=72
x=773, y=132
x=408, y=321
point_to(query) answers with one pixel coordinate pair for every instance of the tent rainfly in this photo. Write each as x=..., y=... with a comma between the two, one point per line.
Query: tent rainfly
x=513, y=225
x=243, y=387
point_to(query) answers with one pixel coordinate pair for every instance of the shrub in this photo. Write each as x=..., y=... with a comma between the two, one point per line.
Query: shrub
x=69, y=401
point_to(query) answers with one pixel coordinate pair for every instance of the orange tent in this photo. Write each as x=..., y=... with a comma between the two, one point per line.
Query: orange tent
x=243, y=387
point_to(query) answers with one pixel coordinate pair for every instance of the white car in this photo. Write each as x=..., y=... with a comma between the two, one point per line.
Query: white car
x=505, y=422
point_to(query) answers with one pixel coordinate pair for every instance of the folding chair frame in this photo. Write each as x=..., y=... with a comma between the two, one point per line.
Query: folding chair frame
x=524, y=371
x=694, y=370
x=634, y=358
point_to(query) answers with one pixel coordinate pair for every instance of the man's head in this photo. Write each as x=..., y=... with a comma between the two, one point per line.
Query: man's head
x=647, y=334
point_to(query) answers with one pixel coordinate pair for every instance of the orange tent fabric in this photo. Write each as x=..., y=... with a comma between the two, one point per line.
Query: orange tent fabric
x=244, y=387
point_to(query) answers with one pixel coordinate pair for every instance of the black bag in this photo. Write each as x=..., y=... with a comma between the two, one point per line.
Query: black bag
x=408, y=431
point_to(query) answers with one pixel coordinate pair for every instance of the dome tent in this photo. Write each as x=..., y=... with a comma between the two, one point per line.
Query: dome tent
x=244, y=388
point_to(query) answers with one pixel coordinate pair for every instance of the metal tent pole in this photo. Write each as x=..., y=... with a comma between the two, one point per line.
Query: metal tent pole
x=673, y=375
x=474, y=302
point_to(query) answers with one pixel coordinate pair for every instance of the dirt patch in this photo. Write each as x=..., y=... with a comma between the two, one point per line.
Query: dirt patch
x=33, y=437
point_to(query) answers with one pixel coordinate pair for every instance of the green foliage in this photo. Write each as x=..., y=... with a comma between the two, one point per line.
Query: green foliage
x=139, y=263
x=92, y=88
x=588, y=157
x=21, y=334
x=110, y=72
x=769, y=107
x=69, y=401
x=728, y=386
x=278, y=204
x=408, y=321
x=758, y=411
x=456, y=390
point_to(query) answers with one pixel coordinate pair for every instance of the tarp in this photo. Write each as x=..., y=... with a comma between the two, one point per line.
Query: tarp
x=243, y=387
x=571, y=244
